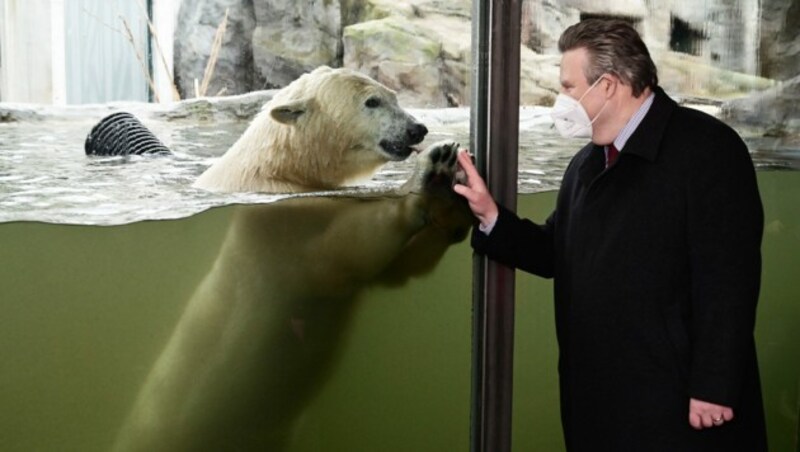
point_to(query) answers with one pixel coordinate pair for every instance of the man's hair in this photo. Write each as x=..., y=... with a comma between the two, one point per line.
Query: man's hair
x=614, y=47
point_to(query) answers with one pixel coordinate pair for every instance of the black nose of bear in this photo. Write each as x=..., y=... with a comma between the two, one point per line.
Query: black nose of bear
x=416, y=132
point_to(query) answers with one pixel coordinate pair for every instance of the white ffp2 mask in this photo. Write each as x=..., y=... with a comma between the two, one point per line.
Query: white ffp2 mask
x=570, y=118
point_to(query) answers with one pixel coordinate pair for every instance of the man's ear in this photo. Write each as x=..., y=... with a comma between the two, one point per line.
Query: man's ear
x=613, y=84
x=289, y=113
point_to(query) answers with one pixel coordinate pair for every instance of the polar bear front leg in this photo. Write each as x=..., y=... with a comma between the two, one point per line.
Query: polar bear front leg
x=445, y=214
x=436, y=172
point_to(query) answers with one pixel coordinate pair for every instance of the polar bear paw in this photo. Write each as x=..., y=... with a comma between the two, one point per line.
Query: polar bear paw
x=431, y=187
x=437, y=169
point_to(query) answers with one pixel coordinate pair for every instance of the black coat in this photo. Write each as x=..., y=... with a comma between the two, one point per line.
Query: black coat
x=657, y=269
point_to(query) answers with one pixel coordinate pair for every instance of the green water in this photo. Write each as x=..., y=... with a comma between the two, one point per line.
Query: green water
x=536, y=416
x=85, y=311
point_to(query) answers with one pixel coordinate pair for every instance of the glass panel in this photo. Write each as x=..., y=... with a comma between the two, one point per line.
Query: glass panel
x=730, y=59
x=87, y=310
x=109, y=251
x=537, y=423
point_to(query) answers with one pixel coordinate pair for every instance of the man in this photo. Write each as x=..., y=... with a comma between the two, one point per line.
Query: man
x=655, y=255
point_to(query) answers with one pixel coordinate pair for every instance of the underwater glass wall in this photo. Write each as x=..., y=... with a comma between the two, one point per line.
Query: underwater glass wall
x=103, y=259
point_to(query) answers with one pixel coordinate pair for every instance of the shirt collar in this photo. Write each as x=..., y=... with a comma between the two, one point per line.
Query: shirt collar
x=634, y=122
x=643, y=141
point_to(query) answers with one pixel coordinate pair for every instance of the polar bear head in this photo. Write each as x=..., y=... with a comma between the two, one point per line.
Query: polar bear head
x=327, y=128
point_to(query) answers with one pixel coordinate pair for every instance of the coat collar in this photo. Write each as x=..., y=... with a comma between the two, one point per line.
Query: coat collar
x=645, y=141
x=646, y=138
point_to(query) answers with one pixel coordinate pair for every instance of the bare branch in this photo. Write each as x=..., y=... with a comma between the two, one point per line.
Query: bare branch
x=212, y=59
x=139, y=57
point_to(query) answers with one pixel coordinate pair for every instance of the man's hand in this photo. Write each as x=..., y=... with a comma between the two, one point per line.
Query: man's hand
x=704, y=414
x=475, y=191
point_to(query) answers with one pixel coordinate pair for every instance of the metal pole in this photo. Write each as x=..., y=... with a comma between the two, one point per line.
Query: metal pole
x=494, y=132
x=479, y=112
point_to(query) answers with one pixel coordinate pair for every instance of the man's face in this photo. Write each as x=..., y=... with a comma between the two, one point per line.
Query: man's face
x=574, y=83
x=573, y=80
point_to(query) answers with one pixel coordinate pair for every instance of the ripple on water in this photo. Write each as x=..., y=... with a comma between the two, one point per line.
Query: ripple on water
x=45, y=176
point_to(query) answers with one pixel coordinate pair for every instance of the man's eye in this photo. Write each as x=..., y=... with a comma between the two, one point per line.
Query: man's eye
x=373, y=102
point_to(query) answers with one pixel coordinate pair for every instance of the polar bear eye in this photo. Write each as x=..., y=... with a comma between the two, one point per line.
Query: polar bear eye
x=373, y=102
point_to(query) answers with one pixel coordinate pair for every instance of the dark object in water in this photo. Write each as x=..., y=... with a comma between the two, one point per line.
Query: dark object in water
x=122, y=134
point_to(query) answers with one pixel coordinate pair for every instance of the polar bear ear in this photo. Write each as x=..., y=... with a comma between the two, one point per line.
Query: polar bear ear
x=289, y=113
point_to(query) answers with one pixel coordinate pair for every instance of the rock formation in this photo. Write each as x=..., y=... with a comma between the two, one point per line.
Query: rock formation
x=421, y=48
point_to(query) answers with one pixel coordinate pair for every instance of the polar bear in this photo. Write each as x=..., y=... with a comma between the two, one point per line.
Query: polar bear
x=326, y=129
x=262, y=331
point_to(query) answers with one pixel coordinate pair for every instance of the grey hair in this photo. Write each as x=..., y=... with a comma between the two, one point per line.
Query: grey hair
x=614, y=47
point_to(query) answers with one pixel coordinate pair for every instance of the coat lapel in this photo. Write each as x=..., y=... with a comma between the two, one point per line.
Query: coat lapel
x=646, y=139
x=592, y=165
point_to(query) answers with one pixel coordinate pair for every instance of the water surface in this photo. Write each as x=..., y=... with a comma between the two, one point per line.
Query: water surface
x=87, y=309
x=45, y=176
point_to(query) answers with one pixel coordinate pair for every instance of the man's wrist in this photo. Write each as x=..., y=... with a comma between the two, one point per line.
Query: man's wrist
x=488, y=224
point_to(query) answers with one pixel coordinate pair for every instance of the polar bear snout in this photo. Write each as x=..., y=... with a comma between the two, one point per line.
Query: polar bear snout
x=400, y=149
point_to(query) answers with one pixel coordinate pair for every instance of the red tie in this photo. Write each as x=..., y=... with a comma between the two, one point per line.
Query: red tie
x=611, y=155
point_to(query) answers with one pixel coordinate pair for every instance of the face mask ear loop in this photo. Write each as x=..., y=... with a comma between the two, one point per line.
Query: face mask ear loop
x=605, y=104
x=599, y=112
x=591, y=87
